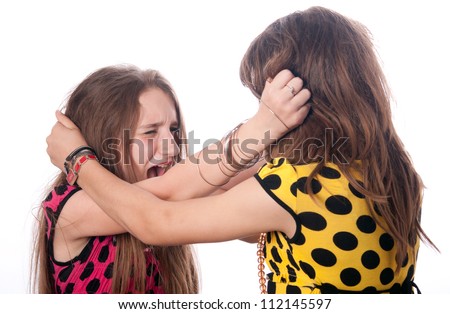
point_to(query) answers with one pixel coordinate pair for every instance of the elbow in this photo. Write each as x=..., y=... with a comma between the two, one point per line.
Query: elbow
x=153, y=229
x=146, y=233
x=146, y=236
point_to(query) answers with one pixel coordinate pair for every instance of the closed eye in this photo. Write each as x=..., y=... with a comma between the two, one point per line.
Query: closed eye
x=175, y=131
x=150, y=132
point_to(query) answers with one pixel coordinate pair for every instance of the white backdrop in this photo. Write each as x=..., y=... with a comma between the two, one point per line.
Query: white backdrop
x=47, y=47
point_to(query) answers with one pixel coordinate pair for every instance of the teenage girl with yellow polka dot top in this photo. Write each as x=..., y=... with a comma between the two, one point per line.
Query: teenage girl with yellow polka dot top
x=338, y=202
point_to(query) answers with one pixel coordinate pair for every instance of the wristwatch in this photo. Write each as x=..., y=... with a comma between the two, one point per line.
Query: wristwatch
x=72, y=172
x=75, y=160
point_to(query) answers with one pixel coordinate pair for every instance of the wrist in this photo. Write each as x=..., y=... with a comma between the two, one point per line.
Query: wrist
x=76, y=160
x=246, y=143
x=263, y=127
x=274, y=123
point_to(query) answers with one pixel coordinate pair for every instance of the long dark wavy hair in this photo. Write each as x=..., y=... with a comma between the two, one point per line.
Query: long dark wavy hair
x=350, y=101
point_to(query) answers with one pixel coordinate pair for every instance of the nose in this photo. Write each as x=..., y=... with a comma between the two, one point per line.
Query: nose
x=167, y=146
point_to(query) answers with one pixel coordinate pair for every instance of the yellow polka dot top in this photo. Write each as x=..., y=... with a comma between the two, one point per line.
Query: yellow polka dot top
x=338, y=247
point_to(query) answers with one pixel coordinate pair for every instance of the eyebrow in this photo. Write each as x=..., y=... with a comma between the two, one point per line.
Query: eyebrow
x=156, y=124
x=150, y=125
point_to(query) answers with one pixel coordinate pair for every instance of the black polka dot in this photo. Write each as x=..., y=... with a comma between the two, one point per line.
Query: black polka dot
x=308, y=269
x=49, y=197
x=405, y=260
x=271, y=287
x=293, y=188
x=291, y=272
x=350, y=277
x=279, y=163
x=386, y=242
x=323, y=257
x=370, y=259
x=92, y=286
x=370, y=290
x=289, y=244
x=293, y=290
x=299, y=239
x=65, y=273
x=366, y=224
x=329, y=173
x=109, y=271
x=356, y=192
x=69, y=288
x=312, y=221
x=157, y=279
x=278, y=239
x=86, y=253
x=301, y=186
x=377, y=210
x=386, y=276
x=274, y=266
x=328, y=288
x=292, y=260
x=272, y=182
x=104, y=253
x=338, y=204
x=276, y=256
x=407, y=283
x=345, y=241
x=397, y=288
x=60, y=190
x=410, y=272
x=87, y=271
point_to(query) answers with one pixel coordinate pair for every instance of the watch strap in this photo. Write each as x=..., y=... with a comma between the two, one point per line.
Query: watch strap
x=73, y=167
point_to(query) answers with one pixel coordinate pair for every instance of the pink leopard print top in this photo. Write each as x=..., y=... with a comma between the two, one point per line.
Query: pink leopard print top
x=92, y=270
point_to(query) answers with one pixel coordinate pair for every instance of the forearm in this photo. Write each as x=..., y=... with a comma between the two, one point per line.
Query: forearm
x=202, y=173
x=206, y=171
x=231, y=215
x=122, y=201
x=151, y=220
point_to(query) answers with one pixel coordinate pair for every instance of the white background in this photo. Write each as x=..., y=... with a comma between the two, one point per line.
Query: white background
x=47, y=47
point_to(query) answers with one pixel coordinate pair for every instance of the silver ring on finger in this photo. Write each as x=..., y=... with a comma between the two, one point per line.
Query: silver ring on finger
x=291, y=89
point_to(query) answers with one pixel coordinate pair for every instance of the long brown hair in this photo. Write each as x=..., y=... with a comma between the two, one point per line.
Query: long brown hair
x=103, y=106
x=350, y=120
